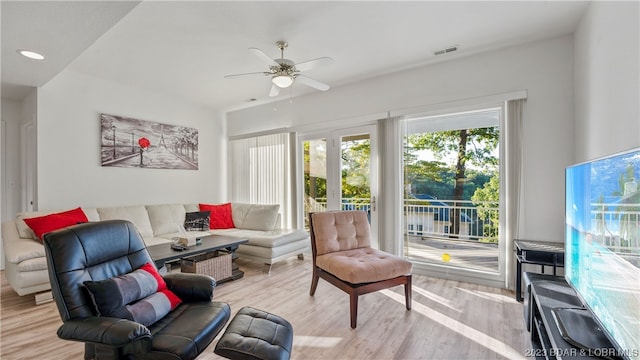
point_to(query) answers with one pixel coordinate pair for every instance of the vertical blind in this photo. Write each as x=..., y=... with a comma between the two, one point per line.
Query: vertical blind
x=260, y=172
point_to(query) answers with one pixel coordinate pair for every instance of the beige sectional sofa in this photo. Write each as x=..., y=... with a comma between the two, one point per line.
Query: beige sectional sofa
x=26, y=266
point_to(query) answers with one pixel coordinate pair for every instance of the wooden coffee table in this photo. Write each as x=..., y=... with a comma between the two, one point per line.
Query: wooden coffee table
x=163, y=253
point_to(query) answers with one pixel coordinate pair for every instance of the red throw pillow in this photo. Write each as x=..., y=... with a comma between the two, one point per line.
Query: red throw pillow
x=48, y=223
x=220, y=217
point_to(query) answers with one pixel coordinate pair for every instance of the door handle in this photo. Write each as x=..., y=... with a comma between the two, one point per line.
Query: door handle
x=373, y=203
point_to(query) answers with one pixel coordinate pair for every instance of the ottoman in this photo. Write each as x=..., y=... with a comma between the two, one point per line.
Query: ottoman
x=256, y=335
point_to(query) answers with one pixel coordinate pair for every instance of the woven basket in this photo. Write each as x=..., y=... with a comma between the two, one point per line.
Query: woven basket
x=215, y=264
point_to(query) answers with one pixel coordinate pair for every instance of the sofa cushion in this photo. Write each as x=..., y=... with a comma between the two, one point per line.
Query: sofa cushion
x=18, y=249
x=191, y=207
x=140, y=296
x=197, y=221
x=255, y=216
x=220, y=215
x=92, y=213
x=32, y=250
x=165, y=218
x=136, y=214
x=273, y=238
x=48, y=223
x=292, y=248
x=35, y=264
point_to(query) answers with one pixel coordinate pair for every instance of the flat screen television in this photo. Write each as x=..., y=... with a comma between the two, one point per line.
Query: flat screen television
x=602, y=246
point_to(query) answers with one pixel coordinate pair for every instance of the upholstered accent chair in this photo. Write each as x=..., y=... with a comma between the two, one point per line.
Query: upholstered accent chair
x=84, y=257
x=343, y=256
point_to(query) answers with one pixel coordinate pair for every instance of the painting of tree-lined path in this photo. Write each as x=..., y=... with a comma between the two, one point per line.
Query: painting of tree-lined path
x=128, y=142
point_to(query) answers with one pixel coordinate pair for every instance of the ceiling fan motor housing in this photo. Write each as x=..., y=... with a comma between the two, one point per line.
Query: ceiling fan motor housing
x=287, y=67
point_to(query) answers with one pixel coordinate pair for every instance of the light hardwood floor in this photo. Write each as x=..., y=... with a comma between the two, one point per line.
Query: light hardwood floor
x=449, y=319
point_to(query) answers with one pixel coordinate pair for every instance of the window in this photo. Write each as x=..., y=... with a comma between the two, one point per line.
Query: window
x=450, y=221
x=452, y=187
x=260, y=172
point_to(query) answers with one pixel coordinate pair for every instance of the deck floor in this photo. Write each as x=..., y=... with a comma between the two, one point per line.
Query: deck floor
x=461, y=253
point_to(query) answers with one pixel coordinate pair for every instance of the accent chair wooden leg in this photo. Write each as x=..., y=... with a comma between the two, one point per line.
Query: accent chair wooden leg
x=353, y=304
x=314, y=281
x=407, y=292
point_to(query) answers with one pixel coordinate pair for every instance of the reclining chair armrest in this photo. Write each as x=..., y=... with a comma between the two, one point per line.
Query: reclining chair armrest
x=104, y=330
x=191, y=287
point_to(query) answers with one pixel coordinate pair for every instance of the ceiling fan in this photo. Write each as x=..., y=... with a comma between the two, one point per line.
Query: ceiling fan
x=285, y=72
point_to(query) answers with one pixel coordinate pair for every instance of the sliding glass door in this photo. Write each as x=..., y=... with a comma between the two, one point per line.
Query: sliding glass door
x=340, y=172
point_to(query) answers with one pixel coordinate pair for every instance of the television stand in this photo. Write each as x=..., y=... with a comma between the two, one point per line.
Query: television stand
x=541, y=253
x=549, y=295
x=578, y=327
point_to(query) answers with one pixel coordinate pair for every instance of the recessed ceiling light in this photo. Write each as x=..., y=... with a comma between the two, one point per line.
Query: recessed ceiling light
x=30, y=54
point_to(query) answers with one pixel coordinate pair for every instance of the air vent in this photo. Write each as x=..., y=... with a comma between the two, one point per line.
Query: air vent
x=445, y=51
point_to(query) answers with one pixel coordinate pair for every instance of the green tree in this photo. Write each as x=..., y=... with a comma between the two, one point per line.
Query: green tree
x=355, y=168
x=473, y=146
x=423, y=175
x=355, y=180
x=484, y=199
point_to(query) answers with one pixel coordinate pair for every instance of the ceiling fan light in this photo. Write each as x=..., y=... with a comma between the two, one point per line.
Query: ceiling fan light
x=282, y=81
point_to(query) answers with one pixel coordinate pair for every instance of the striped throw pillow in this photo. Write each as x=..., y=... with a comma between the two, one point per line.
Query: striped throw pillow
x=141, y=296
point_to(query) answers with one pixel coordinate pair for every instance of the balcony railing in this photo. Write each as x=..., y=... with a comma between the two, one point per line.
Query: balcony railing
x=616, y=226
x=432, y=218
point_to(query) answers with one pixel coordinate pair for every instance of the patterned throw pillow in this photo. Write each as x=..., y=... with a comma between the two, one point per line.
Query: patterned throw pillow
x=197, y=220
x=141, y=296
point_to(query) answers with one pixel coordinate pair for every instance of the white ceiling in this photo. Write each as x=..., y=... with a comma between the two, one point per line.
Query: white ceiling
x=184, y=48
x=60, y=30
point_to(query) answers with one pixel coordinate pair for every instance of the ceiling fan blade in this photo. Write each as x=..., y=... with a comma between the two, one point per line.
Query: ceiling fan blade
x=312, y=83
x=266, y=58
x=245, y=74
x=275, y=90
x=310, y=64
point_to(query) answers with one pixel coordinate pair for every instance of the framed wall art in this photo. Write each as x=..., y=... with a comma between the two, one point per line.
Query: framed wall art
x=128, y=142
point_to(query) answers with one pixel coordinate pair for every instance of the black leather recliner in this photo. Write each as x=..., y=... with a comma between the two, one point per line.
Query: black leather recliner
x=101, y=250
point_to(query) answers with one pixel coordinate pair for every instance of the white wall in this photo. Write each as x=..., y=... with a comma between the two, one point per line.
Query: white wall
x=607, y=80
x=544, y=69
x=69, y=170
